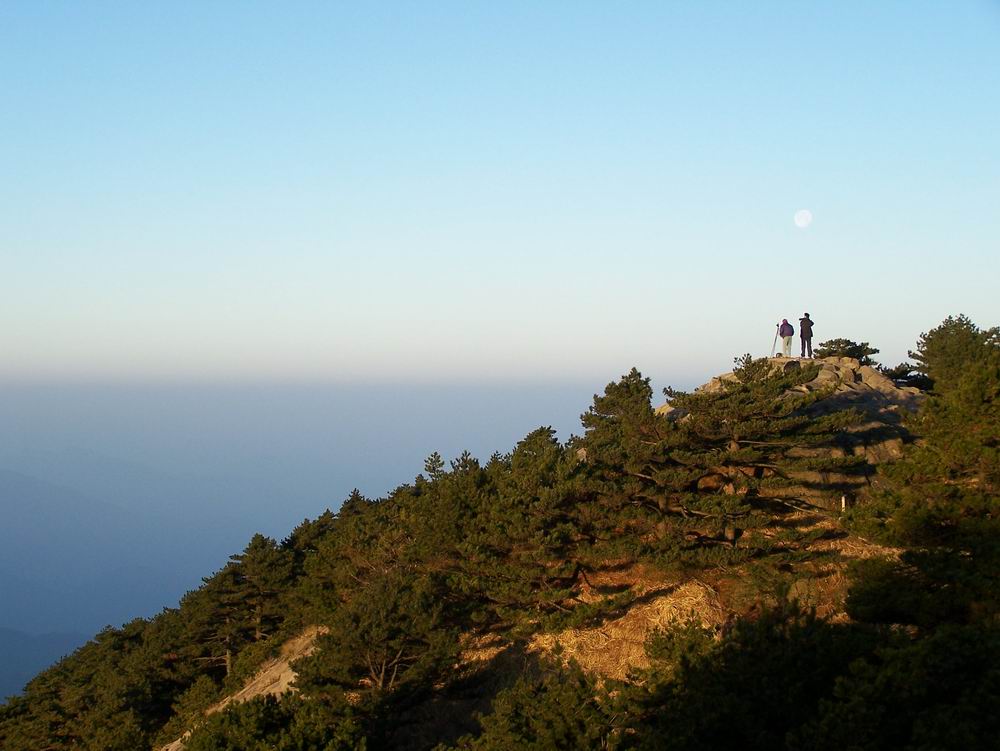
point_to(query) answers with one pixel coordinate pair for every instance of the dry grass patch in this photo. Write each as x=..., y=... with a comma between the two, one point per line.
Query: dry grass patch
x=617, y=646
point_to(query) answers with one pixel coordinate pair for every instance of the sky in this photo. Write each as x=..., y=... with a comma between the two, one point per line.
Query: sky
x=478, y=191
x=254, y=255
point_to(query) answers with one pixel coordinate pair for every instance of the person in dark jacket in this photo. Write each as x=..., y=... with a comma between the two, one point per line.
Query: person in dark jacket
x=786, y=331
x=806, y=334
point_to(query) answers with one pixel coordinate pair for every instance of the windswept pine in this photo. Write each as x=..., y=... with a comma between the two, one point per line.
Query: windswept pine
x=798, y=555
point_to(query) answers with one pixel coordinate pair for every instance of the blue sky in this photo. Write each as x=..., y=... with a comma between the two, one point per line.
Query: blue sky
x=479, y=190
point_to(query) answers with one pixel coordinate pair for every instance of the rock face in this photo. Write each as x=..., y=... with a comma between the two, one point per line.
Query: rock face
x=879, y=437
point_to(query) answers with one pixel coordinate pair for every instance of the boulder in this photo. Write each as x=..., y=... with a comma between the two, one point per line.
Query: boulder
x=877, y=381
x=827, y=377
x=670, y=412
x=888, y=450
x=786, y=365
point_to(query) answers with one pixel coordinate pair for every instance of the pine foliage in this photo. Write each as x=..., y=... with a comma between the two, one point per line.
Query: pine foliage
x=860, y=351
x=943, y=500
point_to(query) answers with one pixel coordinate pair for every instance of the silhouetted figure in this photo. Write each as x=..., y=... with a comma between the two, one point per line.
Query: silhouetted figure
x=806, y=334
x=786, y=331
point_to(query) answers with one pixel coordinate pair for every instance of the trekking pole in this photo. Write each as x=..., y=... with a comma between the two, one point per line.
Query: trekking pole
x=774, y=344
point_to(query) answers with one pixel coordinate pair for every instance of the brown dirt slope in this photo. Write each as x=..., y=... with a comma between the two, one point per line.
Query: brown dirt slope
x=273, y=678
x=713, y=599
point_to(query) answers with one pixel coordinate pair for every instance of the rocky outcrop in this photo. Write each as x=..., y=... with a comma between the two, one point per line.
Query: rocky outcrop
x=881, y=435
x=864, y=386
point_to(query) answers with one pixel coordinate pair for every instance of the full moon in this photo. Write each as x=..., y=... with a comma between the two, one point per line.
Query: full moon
x=803, y=218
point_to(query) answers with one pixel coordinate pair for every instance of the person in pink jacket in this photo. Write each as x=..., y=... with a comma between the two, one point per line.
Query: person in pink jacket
x=786, y=332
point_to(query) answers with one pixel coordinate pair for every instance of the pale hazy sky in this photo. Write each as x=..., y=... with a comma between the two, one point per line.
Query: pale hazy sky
x=487, y=190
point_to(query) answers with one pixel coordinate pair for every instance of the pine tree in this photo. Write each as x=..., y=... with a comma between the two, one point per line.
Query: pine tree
x=751, y=443
x=434, y=466
x=389, y=636
x=943, y=353
x=518, y=551
x=624, y=444
x=305, y=538
x=860, y=351
x=367, y=541
x=704, y=476
x=264, y=571
x=217, y=623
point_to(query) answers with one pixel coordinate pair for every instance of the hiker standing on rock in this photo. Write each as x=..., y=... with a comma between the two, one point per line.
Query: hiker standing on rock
x=786, y=331
x=806, y=334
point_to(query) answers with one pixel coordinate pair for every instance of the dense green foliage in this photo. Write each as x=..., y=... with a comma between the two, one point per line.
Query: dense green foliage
x=941, y=501
x=906, y=374
x=944, y=352
x=558, y=709
x=860, y=351
x=293, y=724
x=691, y=483
x=506, y=548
